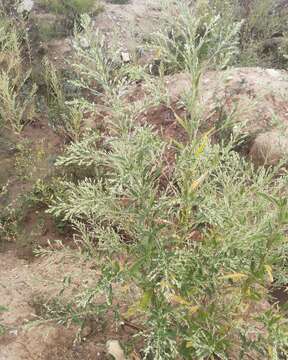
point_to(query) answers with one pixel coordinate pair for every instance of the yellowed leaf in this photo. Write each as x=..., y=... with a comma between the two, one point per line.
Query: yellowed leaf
x=268, y=269
x=131, y=311
x=146, y=299
x=199, y=151
x=195, y=184
x=179, y=300
x=234, y=276
x=180, y=120
x=189, y=344
x=193, y=309
x=270, y=352
x=158, y=53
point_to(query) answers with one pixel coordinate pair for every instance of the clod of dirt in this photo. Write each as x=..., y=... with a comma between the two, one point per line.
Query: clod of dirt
x=269, y=148
x=125, y=56
x=272, y=44
x=114, y=349
x=59, y=49
x=7, y=146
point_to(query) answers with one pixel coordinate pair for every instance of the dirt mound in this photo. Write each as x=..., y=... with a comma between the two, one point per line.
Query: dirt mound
x=256, y=97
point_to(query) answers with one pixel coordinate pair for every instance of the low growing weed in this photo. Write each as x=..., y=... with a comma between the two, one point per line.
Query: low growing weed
x=66, y=118
x=17, y=93
x=2, y=327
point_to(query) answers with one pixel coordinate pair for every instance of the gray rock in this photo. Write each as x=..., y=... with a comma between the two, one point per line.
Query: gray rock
x=84, y=43
x=272, y=44
x=7, y=147
x=25, y=6
x=270, y=148
x=125, y=56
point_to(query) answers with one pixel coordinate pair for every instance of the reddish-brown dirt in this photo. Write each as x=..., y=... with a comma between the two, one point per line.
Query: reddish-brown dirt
x=259, y=97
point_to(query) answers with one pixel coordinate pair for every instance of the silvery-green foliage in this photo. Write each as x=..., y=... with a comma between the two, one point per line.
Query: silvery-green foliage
x=126, y=209
x=202, y=235
x=191, y=39
x=17, y=92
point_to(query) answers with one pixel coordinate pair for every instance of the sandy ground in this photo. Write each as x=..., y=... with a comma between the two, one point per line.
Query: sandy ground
x=22, y=284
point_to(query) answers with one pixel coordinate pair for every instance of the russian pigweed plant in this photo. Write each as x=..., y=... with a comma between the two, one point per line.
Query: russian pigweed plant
x=263, y=35
x=195, y=256
x=198, y=36
x=202, y=253
x=191, y=256
x=66, y=118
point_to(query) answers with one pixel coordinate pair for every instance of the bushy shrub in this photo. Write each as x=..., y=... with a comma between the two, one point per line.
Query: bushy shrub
x=75, y=7
x=263, y=35
x=71, y=10
x=201, y=251
x=193, y=253
x=200, y=34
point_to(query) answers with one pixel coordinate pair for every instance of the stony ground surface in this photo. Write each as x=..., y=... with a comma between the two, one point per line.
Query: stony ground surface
x=125, y=25
x=131, y=22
